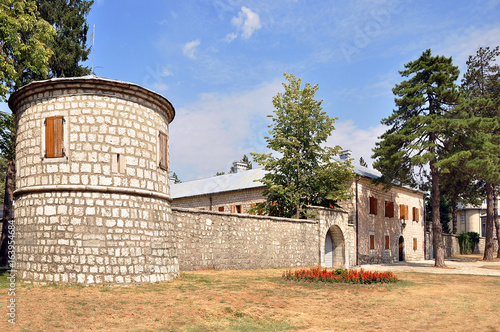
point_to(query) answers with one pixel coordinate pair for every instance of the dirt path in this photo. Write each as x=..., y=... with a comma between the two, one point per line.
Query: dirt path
x=470, y=264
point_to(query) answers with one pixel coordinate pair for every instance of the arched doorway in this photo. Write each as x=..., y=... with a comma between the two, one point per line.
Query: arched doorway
x=401, y=248
x=334, y=248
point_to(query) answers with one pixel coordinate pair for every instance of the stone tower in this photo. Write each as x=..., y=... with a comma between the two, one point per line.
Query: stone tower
x=92, y=199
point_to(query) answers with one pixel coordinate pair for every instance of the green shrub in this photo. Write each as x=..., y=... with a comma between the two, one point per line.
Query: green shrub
x=467, y=242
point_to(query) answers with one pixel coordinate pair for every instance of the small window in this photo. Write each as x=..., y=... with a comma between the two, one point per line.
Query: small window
x=54, y=137
x=403, y=212
x=387, y=246
x=221, y=209
x=373, y=205
x=235, y=208
x=163, y=151
x=462, y=218
x=416, y=214
x=415, y=243
x=372, y=242
x=389, y=209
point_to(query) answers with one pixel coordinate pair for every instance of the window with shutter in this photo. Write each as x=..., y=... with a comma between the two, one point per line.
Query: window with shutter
x=415, y=214
x=54, y=137
x=373, y=205
x=387, y=242
x=372, y=242
x=414, y=243
x=163, y=151
x=389, y=209
x=403, y=212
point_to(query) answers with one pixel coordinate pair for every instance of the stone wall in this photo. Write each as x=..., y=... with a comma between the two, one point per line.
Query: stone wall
x=100, y=212
x=207, y=240
x=379, y=226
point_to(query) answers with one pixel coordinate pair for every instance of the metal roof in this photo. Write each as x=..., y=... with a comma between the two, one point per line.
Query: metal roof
x=219, y=184
x=239, y=181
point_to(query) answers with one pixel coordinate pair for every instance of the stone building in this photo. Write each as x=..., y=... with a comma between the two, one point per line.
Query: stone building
x=379, y=225
x=93, y=192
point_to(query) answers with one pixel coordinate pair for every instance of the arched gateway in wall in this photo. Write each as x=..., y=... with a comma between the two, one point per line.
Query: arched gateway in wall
x=92, y=174
x=334, y=248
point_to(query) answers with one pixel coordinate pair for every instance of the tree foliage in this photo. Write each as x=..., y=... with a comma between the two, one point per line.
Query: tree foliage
x=68, y=17
x=476, y=130
x=302, y=171
x=416, y=138
x=24, y=44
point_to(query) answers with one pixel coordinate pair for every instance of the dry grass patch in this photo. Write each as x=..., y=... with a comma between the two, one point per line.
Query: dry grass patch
x=259, y=300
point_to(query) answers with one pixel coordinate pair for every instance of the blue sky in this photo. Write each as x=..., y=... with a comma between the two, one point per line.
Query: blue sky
x=221, y=62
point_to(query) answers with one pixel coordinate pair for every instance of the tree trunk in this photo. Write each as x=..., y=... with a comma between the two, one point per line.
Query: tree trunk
x=497, y=223
x=437, y=228
x=489, y=246
x=7, y=210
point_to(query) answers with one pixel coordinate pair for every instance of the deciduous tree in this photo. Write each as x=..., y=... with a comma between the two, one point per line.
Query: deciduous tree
x=302, y=171
x=415, y=138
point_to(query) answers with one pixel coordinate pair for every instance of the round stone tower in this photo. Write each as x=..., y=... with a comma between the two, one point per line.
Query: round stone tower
x=92, y=199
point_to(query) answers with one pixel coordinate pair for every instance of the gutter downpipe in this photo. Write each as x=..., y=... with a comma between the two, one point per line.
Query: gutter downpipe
x=357, y=221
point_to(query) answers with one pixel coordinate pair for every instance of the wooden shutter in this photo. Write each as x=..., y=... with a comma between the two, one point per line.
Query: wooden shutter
x=221, y=209
x=372, y=242
x=233, y=209
x=414, y=243
x=163, y=151
x=387, y=242
x=373, y=205
x=415, y=214
x=403, y=212
x=389, y=209
x=54, y=137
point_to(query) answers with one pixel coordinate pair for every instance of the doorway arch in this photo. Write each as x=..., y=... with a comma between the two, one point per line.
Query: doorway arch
x=401, y=248
x=334, y=248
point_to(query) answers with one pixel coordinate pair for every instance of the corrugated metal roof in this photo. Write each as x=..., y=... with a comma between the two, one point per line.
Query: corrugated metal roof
x=239, y=181
x=218, y=184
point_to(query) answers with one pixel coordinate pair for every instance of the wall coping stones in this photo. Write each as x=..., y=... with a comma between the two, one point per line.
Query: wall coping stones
x=245, y=215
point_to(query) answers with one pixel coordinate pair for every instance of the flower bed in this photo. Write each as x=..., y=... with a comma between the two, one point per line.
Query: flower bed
x=339, y=275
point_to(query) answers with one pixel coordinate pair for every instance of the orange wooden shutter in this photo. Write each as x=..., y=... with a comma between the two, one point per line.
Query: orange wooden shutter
x=54, y=137
x=414, y=243
x=233, y=209
x=163, y=151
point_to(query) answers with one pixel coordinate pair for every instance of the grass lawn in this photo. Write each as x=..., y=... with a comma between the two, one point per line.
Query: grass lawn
x=259, y=300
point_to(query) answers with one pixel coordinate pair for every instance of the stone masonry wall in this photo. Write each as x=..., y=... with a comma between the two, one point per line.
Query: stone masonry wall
x=100, y=214
x=233, y=241
x=380, y=226
x=222, y=202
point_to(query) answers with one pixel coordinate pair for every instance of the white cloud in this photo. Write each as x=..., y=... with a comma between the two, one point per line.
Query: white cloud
x=230, y=37
x=189, y=48
x=360, y=141
x=247, y=21
x=210, y=133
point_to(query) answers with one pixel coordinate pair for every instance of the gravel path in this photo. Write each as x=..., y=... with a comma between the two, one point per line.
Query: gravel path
x=453, y=266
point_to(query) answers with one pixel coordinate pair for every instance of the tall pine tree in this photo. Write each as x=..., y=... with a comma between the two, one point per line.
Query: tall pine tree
x=477, y=130
x=415, y=137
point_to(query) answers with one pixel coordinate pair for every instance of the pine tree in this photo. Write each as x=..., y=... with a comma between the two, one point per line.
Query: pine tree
x=477, y=129
x=305, y=172
x=68, y=17
x=416, y=139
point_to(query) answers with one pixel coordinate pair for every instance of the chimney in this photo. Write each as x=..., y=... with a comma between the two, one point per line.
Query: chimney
x=345, y=154
x=240, y=166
